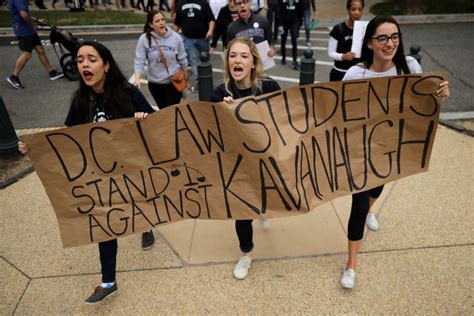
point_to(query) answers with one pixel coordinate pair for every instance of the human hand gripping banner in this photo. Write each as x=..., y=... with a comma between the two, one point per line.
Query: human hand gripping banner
x=279, y=154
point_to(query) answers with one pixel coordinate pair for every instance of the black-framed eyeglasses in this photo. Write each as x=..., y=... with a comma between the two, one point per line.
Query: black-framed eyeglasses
x=239, y=2
x=383, y=39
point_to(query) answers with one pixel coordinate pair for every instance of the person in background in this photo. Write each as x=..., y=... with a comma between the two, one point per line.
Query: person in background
x=196, y=21
x=382, y=56
x=159, y=42
x=259, y=7
x=249, y=25
x=308, y=14
x=172, y=4
x=119, y=4
x=290, y=14
x=24, y=27
x=103, y=94
x=227, y=15
x=340, y=41
x=243, y=76
x=141, y=5
x=163, y=5
x=216, y=6
x=271, y=17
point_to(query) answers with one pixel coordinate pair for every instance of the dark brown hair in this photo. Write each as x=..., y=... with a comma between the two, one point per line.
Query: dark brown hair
x=116, y=94
x=367, y=54
x=149, y=20
x=349, y=3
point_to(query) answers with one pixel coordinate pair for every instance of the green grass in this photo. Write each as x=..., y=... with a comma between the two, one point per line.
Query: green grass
x=394, y=7
x=66, y=18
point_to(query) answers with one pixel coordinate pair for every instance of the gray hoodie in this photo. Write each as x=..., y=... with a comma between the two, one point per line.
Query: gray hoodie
x=173, y=49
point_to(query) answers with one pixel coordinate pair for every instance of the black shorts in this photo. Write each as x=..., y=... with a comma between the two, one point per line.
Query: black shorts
x=28, y=43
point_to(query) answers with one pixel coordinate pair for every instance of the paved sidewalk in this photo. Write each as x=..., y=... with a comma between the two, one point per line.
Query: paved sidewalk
x=419, y=262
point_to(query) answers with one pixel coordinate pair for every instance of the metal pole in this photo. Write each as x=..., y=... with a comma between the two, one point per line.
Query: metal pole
x=205, y=84
x=308, y=68
x=415, y=53
x=8, y=138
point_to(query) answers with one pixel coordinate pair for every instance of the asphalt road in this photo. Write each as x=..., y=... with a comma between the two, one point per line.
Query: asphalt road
x=44, y=103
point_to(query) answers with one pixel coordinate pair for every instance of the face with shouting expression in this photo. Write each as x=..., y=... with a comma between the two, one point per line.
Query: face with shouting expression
x=92, y=68
x=159, y=24
x=243, y=9
x=241, y=63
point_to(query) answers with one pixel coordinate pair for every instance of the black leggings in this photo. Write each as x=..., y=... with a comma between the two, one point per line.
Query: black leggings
x=164, y=94
x=294, y=30
x=359, y=210
x=336, y=75
x=108, y=260
x=244, y=231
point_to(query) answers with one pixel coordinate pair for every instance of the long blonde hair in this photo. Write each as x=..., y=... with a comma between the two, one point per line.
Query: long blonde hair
x=256, y=74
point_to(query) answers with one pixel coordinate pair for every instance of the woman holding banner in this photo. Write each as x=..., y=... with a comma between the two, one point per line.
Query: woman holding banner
x=243, y=76
x=382, y=56
x=340, y=41
x=103, y=94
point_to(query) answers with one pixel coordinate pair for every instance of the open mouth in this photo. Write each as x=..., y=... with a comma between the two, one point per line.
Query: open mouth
x=238, y=69
x=87, y=74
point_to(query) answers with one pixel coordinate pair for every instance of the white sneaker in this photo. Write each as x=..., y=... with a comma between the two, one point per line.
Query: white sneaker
x=372, y=222
x=242, y=267
x=265, y=223
x=348, y=279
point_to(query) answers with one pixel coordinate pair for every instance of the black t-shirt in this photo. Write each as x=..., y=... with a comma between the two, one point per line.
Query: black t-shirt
x=223, y=21
x=343, y=35
x=289, y=12
x=257, y=29
x=193, y=17
x=268, y=85
x=100, y=112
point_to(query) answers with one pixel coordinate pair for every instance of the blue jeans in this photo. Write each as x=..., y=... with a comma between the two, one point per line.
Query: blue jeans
x=193, y=47
x=307, y=21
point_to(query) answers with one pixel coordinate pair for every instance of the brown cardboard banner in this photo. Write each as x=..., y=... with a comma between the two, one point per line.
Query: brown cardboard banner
x=279, y=154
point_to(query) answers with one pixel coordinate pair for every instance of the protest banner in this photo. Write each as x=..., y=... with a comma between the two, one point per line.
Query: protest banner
x=279, y=154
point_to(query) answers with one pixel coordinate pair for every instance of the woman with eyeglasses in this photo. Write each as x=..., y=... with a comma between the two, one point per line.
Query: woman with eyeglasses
x=340, y=41
x=382, y=56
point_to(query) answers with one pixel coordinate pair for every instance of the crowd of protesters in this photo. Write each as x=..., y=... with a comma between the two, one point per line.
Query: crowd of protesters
x=240, y=25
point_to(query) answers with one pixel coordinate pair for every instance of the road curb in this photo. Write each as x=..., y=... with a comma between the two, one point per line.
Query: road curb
x=17, y=176
x=457, y=127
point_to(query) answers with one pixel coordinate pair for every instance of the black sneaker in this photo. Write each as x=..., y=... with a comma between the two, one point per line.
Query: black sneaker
x=101, y=293
x=15, y=82
x=148, y=240
x=54, y=74
x=295, y=65
x=283, y=61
